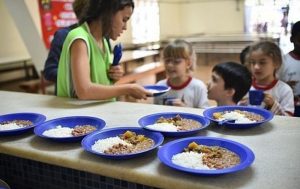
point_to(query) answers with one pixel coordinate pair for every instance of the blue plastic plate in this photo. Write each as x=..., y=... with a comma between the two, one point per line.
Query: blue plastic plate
x=71, y=122
x=157, y=89
x=152, y=118
x=267, y=115
x=167, y=151
x=90, y=140
x=35, y=118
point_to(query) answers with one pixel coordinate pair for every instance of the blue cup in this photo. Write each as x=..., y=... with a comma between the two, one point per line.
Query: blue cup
x=256, y=97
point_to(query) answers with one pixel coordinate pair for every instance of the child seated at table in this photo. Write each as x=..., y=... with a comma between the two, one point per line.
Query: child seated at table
x=229, y=83
x=265, y=59
x=180, y=59
x=290, y=71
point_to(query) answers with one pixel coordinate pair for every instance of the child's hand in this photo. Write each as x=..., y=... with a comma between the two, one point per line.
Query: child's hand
x=269, y=101
x=115, y=72
x=178, y=102
x=244, y=101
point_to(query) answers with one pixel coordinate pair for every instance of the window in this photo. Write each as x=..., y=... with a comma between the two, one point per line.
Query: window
x=145, y=21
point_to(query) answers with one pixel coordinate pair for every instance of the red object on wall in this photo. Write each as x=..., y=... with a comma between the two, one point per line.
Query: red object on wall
x=55, y=14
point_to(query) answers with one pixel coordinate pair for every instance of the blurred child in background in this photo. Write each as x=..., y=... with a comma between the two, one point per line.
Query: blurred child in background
x=265, y=59
x=244, y=55
x=290, y=72
x=51, y=64
x=229, y=83
x=180, y=61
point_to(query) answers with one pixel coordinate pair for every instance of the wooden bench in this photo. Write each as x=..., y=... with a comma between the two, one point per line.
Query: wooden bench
x=155, y=68
x=10, y=64
x=36, y=85
x=137, y=56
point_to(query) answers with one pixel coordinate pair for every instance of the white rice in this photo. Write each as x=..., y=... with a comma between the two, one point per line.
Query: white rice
x=59, y=131
x=10, y=126
x=162, y=127
x=238, y=117
x=104, y=144
x=190, y=160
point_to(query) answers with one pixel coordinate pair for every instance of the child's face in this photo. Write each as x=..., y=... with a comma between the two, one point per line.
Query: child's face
x=176, y=67
x=262, y=66
x=120, y=20
x=216, y=87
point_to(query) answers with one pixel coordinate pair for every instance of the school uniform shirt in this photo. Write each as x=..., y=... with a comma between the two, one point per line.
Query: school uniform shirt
x=282, y=95
x=99, y=62
x=193, y=93
x=290, y=71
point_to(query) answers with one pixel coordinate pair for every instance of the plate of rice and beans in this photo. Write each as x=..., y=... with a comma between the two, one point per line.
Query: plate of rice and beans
x=17, y=123
x=240, y=116
x=122, y=142
x=174, y=123
x=69, y=129
x=206, y=155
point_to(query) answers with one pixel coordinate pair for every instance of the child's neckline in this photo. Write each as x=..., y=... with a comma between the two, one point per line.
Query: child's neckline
x=264, y=87
x=178, y=87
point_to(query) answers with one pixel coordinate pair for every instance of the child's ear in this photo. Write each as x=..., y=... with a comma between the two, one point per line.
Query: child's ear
x=189, y=63
x=230, y=92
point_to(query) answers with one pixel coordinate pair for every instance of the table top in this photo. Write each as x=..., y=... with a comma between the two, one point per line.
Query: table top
x=275, y=145
x=137, y=54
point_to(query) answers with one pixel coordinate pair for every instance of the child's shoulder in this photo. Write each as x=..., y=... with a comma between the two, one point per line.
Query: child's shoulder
x=283, y=87
x=197, y=81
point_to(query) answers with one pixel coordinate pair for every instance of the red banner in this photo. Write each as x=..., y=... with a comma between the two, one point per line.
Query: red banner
x=55, y=14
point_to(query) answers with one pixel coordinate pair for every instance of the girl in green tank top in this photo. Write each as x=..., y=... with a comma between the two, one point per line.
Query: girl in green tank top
x=85, y=69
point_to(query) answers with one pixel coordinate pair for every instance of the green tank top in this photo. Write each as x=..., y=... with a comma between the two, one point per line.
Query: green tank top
x=99, y=61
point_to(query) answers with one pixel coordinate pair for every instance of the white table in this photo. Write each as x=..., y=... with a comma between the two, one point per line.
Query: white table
x=275, y=145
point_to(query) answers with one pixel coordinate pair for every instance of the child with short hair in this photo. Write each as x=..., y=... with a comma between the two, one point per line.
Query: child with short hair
x=229, y=83
x=290, y=72
x=180, y=59
x=265, y=59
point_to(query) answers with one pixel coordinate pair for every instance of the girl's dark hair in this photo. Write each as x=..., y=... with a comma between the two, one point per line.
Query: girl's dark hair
x=236, y=76
x=104, y=10
x=243, y=55
x=269, y=49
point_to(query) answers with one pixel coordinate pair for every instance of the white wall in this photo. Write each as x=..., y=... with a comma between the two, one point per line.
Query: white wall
x=211, y=17
x=177, y=18
x=171, y=20
x=11, y=43
x=187, y=17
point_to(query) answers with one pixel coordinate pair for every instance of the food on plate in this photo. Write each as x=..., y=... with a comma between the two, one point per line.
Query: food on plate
x=78, y=130
x=197, y=156
x=83, y=130
x=14, y=124
x=126, y=143
x=239, y=116
x=176, y=123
